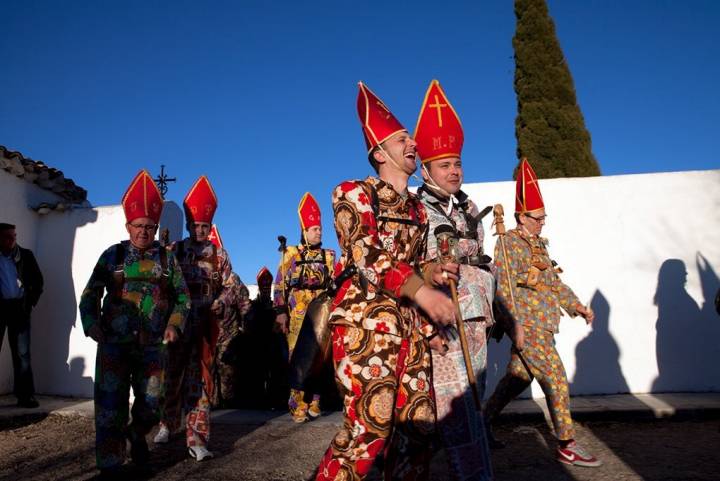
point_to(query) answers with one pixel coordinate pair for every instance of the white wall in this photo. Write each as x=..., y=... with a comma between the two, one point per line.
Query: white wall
x=625, y=241
x=622, y=240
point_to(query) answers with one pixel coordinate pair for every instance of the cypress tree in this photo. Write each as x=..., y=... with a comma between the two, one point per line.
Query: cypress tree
x=549, y=127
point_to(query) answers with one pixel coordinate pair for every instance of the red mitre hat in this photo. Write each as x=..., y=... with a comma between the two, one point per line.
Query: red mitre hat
x=309, y=212
x=527, y=194
x=214, y=237
x=264, y=278
x=201, y=202
x=378, y=123
x=142, y=198
x=438, y=132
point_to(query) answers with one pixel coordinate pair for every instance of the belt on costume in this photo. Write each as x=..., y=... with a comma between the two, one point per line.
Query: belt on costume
x=537, y=287
x=475, y=261
x=203, y=289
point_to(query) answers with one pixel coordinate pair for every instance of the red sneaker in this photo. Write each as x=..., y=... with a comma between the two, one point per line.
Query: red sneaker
x=575, y=455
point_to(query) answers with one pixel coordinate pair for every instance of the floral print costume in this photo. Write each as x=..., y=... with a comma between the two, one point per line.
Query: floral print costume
x=539, y=294
x=380, y=351
x=460, y=425
x=143, y=297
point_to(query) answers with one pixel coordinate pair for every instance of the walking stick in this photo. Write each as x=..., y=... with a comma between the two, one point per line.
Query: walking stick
x=282, y=248
x=444, y=235
x=499, y=223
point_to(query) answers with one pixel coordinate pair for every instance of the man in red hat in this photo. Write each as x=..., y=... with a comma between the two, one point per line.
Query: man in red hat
x=380, y=345
x=190, y=382
x=263, y=356
x=304, y=272
x=530, y=291
x=439, y=137
x=146, y=305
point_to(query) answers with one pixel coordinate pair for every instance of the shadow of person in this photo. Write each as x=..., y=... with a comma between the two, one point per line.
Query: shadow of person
x=709, y=324
x=76, y=370
x=678, y=332
x=597, y=356
x=710, y=283
x=56, y=313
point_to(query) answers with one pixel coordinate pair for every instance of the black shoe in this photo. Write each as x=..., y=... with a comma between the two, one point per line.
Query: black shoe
x=28, y=402
x=493, y=442
x=110, y=474
x=139, y=452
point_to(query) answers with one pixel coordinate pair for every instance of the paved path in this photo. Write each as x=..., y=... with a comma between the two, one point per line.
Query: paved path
x=584, y=408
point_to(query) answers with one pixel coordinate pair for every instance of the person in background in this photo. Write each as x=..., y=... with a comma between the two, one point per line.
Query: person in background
x=304, y=272
x=21, y=284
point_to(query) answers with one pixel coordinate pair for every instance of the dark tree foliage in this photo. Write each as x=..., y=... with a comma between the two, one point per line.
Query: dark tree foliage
x=549, y=127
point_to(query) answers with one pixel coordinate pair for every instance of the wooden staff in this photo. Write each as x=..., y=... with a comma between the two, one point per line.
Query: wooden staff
x=282, y=248
x=443, y=234
x=499, y=222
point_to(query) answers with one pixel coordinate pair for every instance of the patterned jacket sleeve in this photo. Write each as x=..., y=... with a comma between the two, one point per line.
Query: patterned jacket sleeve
x=280, y=288
x=229, y=291
x=91, y=298
x=357, y=233
x=505, y=314
x=565, y=296
x=181, y=302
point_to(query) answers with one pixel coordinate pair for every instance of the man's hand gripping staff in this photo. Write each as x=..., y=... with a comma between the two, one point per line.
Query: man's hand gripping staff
x=447, y=246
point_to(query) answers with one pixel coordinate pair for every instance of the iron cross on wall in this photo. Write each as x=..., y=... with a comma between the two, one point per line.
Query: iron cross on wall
x=163, y=180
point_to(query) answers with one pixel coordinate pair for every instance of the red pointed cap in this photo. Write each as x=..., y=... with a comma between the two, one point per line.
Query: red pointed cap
x=527, y=191
x=142, y=198
x=438, y=132
x=309, y=212
x=264, y=278
x=201, y=202
x=214, y=237
x=378, y=123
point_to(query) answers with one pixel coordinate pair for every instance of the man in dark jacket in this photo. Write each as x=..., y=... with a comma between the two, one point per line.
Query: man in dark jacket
x=21, y=284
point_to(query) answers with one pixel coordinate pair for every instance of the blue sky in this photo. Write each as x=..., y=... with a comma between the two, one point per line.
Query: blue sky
x=260, y=96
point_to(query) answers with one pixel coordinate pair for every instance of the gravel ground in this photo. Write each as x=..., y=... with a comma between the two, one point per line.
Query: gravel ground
x=61, y=448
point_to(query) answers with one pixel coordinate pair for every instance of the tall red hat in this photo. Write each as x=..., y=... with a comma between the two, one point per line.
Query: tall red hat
x=214, y=237
x=201, y=202
x=309, y=212
x=527, y=191
x=438, y=132
x=378, y=123
x=264, y=278
x=142, y=198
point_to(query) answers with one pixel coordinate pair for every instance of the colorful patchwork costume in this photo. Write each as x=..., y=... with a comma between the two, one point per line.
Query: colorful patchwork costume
x=231, y=327
x=381, y=354
x=190, y=377
x=539, y=294
x=439, y=135
x=304, y=272
x=146, y=293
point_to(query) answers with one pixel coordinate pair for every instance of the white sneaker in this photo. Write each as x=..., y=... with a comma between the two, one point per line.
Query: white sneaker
x=200, y=453
x=163, y=435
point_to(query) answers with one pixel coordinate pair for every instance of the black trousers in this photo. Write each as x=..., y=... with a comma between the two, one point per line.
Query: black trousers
x=15, y=318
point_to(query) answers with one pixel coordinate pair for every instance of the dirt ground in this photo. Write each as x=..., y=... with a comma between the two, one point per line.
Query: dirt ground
x=62, y=448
